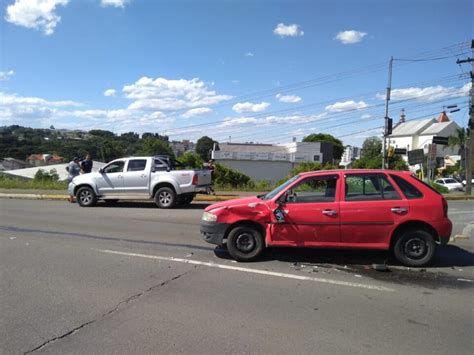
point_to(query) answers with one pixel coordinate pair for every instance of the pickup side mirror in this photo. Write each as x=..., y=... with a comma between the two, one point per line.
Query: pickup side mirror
x=101, y=171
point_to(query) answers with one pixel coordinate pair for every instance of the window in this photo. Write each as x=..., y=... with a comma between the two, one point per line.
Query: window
x=316, y=158
x=369, y=187
x=450, y=181
x=136, y=165
x=315, y=189
x=115, y=167
x=408, y=189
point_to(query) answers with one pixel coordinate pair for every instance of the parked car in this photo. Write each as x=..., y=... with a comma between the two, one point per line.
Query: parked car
x=140, y=178
x=450, y=183
x=464, y=182
x=359, y=209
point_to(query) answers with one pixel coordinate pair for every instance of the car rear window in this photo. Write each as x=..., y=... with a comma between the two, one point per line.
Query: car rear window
x=410, y=191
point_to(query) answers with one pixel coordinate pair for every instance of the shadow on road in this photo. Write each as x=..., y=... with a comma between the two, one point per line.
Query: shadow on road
x=149, y=204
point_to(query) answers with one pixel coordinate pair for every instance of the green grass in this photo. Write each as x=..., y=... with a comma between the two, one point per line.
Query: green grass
x=10, y=183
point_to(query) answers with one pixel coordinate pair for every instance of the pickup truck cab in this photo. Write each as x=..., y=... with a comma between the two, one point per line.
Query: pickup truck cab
x=371, y=209
x=140, y=178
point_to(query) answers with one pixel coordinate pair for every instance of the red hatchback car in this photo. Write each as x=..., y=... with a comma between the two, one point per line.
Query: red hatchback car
x=364, y=209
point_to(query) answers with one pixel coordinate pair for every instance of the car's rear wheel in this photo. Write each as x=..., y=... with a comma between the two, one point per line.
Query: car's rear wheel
x=414, y=247
x=245, y=243
x=165, y=197
x=85, y=197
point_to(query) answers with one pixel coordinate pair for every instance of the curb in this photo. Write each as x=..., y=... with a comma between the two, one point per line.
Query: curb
x=198, y=198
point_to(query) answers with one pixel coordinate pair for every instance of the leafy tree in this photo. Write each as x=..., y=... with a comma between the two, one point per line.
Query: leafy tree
x=225, y=176
x=372, y=147
x=153, y=146
x=191, y=160
x=459, y=139
x=102, y=133
x=338, y=146
x=204, y=146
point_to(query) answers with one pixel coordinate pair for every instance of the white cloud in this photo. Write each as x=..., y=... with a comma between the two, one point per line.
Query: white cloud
x=170, y=95
x=288, y=98
x=14, y=100
x=350, y=37
x=430, y=93
x=283, y=30
x=364, y=117
x=346, y=106
x=6, y=75
x=249, y=54
x=236, y=121
x=250, y=107
x=36, y=14
x=110, y=92
x=114, y=3
x=200, y=111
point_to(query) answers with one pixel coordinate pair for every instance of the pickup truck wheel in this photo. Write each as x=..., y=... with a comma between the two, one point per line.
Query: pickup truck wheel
x=85, y=197
x=415, y=247
x=245, y=243
x=165, y=198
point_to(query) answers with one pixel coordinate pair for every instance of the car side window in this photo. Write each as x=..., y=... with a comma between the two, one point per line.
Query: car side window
x=115, y=167
x=410, y=191
x=314, y=189
x=136, y=165
x=369, y=187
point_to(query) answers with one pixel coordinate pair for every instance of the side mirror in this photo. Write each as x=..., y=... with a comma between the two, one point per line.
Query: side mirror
x=168, y=169
x=279, y=215
x=153, y=169
x=101, y=171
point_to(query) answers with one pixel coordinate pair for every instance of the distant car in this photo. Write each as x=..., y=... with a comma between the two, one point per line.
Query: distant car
x=450, y=183
x=464, y=182
x=346, y=209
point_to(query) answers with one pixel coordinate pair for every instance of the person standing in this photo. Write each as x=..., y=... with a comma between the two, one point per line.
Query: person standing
x=73, y=170
x=86, y=164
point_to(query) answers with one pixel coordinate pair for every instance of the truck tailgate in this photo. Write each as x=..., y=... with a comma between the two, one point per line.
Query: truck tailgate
x=204, y=177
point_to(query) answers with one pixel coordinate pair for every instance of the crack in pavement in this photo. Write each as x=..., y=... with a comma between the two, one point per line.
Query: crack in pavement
x=113, y=310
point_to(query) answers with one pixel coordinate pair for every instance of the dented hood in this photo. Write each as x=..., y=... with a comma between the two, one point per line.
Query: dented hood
x=234, y=203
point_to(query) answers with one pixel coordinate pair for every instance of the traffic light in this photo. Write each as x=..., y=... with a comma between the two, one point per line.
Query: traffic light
x=388, y=128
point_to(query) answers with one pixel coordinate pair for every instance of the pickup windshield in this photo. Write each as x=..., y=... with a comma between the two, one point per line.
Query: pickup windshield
x=280, y=188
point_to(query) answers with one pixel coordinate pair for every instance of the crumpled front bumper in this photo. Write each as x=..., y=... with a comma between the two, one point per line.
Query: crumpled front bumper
x=213, y=232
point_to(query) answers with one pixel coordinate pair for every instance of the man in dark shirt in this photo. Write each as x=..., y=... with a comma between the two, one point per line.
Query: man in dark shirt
x=86, y=164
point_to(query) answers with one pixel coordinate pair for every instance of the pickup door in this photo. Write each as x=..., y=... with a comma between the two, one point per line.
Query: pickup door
x=136, y=177
x=110, y=181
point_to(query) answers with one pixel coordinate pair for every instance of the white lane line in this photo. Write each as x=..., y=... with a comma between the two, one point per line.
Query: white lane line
x=252, y=271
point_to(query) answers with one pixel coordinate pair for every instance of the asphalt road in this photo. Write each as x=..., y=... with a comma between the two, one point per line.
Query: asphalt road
x=136, y=279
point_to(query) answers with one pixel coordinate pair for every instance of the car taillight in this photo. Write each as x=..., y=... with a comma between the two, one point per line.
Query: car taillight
x=445, y=207
x=195, y=179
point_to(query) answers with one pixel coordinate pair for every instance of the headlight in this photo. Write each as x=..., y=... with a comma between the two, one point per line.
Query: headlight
x=209, y=217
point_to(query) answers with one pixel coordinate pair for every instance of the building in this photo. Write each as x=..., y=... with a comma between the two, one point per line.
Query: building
x=44, y=159
x=179, y=148
x=418, y=134
x=12, y=164
x=350, y=154
x=271, y=162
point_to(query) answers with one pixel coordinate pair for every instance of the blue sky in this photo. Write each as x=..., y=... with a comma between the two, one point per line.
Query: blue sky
x=262, y=71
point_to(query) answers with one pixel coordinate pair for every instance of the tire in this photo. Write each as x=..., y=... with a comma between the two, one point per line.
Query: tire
x=85, y=197
x=415, y=247
x=185, y=201
x=165, y=197
x=245, y=243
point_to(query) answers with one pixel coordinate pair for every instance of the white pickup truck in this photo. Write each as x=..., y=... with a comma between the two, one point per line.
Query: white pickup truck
x=140, y=178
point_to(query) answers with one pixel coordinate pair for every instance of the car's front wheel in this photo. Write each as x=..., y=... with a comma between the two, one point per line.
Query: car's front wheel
x=245, y=243
x=85, y=197
x=415, y=247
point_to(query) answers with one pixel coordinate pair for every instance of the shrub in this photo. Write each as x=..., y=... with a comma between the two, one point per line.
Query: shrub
x=43, y=175
x=440, y=188
x=224, y=176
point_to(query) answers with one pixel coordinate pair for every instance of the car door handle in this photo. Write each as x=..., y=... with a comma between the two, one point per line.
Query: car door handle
x=143, y=176
x=329, y=212
x=399, y=210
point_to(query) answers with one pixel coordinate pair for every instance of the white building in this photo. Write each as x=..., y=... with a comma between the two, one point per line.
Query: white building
x=350, y=154
x=269, y=161
x=418, y=134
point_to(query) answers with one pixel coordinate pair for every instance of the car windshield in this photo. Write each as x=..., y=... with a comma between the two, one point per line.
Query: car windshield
x=450, y=181
x=280, y=188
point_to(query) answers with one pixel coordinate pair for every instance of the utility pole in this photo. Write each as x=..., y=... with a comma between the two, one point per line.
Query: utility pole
x=387, y=124
x=470, y=125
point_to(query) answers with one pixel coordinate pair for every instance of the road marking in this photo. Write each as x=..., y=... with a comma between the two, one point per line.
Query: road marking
x=252, y=271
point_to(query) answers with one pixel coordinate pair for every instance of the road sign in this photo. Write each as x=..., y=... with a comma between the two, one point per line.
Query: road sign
x=440, y=140
x=416, y=156
x=400, y=151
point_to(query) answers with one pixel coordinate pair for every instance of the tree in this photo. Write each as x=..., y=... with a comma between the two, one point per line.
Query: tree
x=191, y=160
x=459, y=139
x=153, y=146
x=338, y=146
x=101, y=133
x=204, y=146
x=372, y=147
